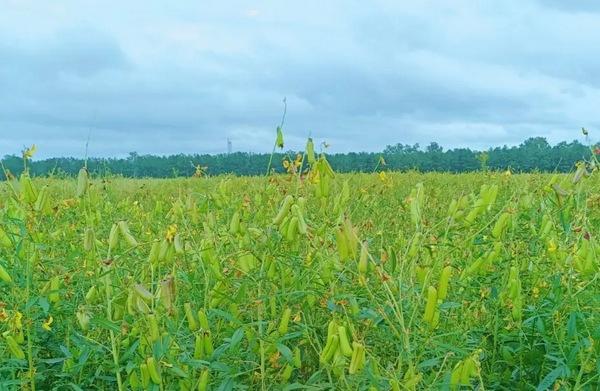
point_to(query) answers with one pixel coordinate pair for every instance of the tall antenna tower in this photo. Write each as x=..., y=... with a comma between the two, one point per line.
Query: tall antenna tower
x=229, y=147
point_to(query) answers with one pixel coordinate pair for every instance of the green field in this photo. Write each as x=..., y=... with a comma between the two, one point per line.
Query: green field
x=398, y=281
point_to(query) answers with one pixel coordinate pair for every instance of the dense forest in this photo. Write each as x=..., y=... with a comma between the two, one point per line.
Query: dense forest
x=534, y=154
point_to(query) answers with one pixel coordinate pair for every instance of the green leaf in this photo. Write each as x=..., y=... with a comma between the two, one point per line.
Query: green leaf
x=285, y=352
x=106, y=324
x=75, y=387
x=130, y=351
x=295, y=386
x=550, y=378
x=432, y=362
x=572, y=325
x=227, y=385
x=52, y=360
x=44, y=305
x=179, y=372
x=236, y=338
x=449, y=305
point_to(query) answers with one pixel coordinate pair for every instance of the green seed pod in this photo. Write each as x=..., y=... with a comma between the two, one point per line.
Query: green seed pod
x=443, y=285
x=88, y=239
x=234, y=225
x=279, y=139
x=134, y=381
x=287, y=372
x=342, y=245
x=130, y=303
x=579, y=173
x=351, y=239
x=163, y=251
x=124, y=230
x=53, y=296
x=178, y=244
x=517, y=308
x=4, y=276
x=469, y=369
x=153, y=328
x=430, y=307
x=415, y=244
x=363, y=263
x=143, y=293
x=192, y=325
x=272, y=269
x=546, y=226
x=145, y=375
x=167, y=293
x=283, y=210
x=302, y=228
x=358, y=358
x=83, y=318
x=203, y=320
x=283, y=323
x=338, y=363
x=28, y=191
x=354, y=307
x=14, y=348
x=19, y=336
x=153, y=370
x=113, y=237
x=456, y=375
x=452, y=209
x=247, y=262
x=141, y=305
x=297, y=357
x=199, y=347
x=332, y=329
x=478, y=208
x=501, y=225
x=292, y=229
x=329, y=349
x=92, y=295
x=154, y=251
x=203, y=383
x=208, y=345
x=310, y=151
x=344, y=342
x=82, y=182
x=5, y=239
x=42, y=203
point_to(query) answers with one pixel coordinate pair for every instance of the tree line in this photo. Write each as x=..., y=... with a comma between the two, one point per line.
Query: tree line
x=534, y=154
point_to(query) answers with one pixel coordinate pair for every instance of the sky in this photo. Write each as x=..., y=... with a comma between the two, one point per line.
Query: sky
x=184, y=76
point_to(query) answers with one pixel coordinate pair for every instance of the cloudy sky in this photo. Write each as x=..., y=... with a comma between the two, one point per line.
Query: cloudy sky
x=183, y=76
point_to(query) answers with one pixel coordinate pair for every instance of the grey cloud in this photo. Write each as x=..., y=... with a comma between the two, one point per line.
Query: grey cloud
x=183, y=78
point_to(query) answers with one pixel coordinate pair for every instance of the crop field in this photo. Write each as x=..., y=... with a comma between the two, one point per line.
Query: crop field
x=382, y=281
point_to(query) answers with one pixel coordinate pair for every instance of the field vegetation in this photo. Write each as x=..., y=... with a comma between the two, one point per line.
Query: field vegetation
x=381, y=281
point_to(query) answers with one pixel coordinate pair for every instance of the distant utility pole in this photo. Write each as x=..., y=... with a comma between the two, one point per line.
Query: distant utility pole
x=229, y=147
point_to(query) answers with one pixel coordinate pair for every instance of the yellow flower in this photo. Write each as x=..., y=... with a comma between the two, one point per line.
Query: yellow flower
x=29, y=152
x=171, y=231
x=551, y=246
x=17, y=320
x=47, y=323
x=383, y=177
